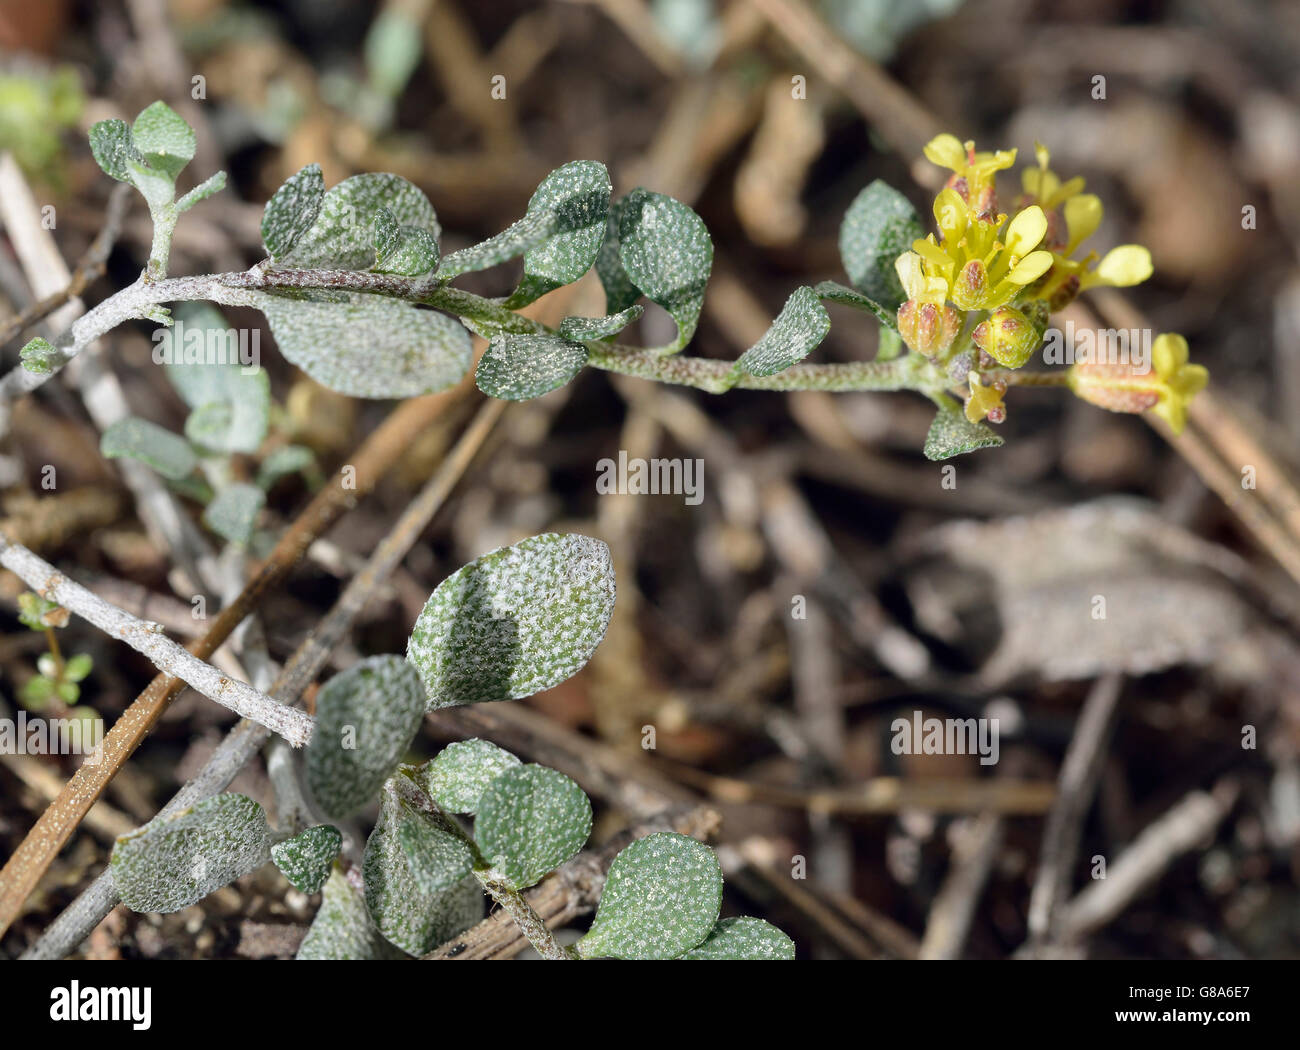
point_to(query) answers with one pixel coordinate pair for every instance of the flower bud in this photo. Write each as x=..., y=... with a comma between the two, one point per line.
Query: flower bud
x=1007, y=336
x=971, y=286
x=1115, y=386
x=926, y=328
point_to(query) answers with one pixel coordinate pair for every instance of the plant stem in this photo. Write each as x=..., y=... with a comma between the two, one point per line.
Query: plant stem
x=530, y=924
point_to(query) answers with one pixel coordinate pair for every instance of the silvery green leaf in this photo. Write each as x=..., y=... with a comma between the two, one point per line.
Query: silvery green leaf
x=411, y=252
x=233, y=511
x=516, y=239
x=620, y=292
x=797, y=331
x=744, y=938
x=834, y=292
x=459, y=774
x=39, y=356
x=205, y=189
x=402, y=911
x=575, y=196
x=392, y=48
x=170, y=863
x=521, y=367
x=668, y=254
x=515, y=621
x=306, y=859
x=136, y=438
x=342, y=928
x=436, y=857
x=662, y=898
x=165, y=140
x=952, y=433
x=287, y=459
x=879, y=226
x=366, y=718
x=367, y=345
x=384, y=234
x=530, y=820
x=340, y=238
x=111, y=146
x=292, y=211
x=582, y=329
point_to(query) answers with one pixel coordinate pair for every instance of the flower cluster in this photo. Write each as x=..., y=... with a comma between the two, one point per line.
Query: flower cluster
x=979, y=292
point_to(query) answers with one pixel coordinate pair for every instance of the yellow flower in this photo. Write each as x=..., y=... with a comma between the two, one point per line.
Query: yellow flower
x=982, y=271
x=1166, y=388
x=973, y=174
x=985, y=402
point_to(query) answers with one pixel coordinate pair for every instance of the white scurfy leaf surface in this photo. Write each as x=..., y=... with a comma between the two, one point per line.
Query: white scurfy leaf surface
x=522, y=367
x=797, y=331
x=155, y=446
x=169, y=864
x=233, y=511
x=366, y=718
x=342, y=928
x=514, y=622
x=745, y=938
x=530, y=820
x=306, y=859
x=459, y=774
x=662, y=898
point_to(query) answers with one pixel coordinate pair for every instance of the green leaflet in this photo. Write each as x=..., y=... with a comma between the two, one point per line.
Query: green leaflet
x=515, y=621
x=575, y=197
x=436, y=857
x=516, y=239
x=744, y=938
x=530, y=821
x=952, y=433
x=285, y=460
x=39, y=356
x=111, y=146
x=879, y=226
x=366, y=718
x=340, y=238
x=292, y=211
x=367, y=345
x=307, y=858
x=797, y=331
x=404, y=250
x=205, y=189
x=834, y=292
x=231, y=401
x=342, y=928
x=156, y=447
x=583, y=329
x=620, y=292
x=169, y=864
x=165, y=140
x=408, y=916
x=459, y=774
x=233, y=511
x=661, y=899
x=667, y=253
x=521, y=367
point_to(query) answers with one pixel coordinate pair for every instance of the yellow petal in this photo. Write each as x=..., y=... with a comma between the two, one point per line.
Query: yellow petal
x=947, y=152
x=1126, y=265
x=1042, y=155
x=908, y=268
x=1191, y=380
x=1026, y=231
x=1030, y=268
x=1168, y=354
x=933, y=254
x=1082, y=217
x=950, y=213
x=1173, y=410
x=1069, y=189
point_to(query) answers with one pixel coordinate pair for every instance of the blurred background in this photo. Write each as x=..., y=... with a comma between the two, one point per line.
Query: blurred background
x=832, y=579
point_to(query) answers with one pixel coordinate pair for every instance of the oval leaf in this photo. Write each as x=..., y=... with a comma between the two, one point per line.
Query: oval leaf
x=366, y=718
x=406, y=915
x=530, y=821
x=797, y=331
x=668, y=254
x=169, y=864
x=879, y=226
x=233, y=512
x=292, y=211
x=581, y=329
x=136, y=438
x=514, y=622
x=457, y=777
x=744, y=938
x=952, y=433
x=306, y=859
x=167, y=142
x=661, y=899
x=369, y=346
x=342, y=928
x=521, y=367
